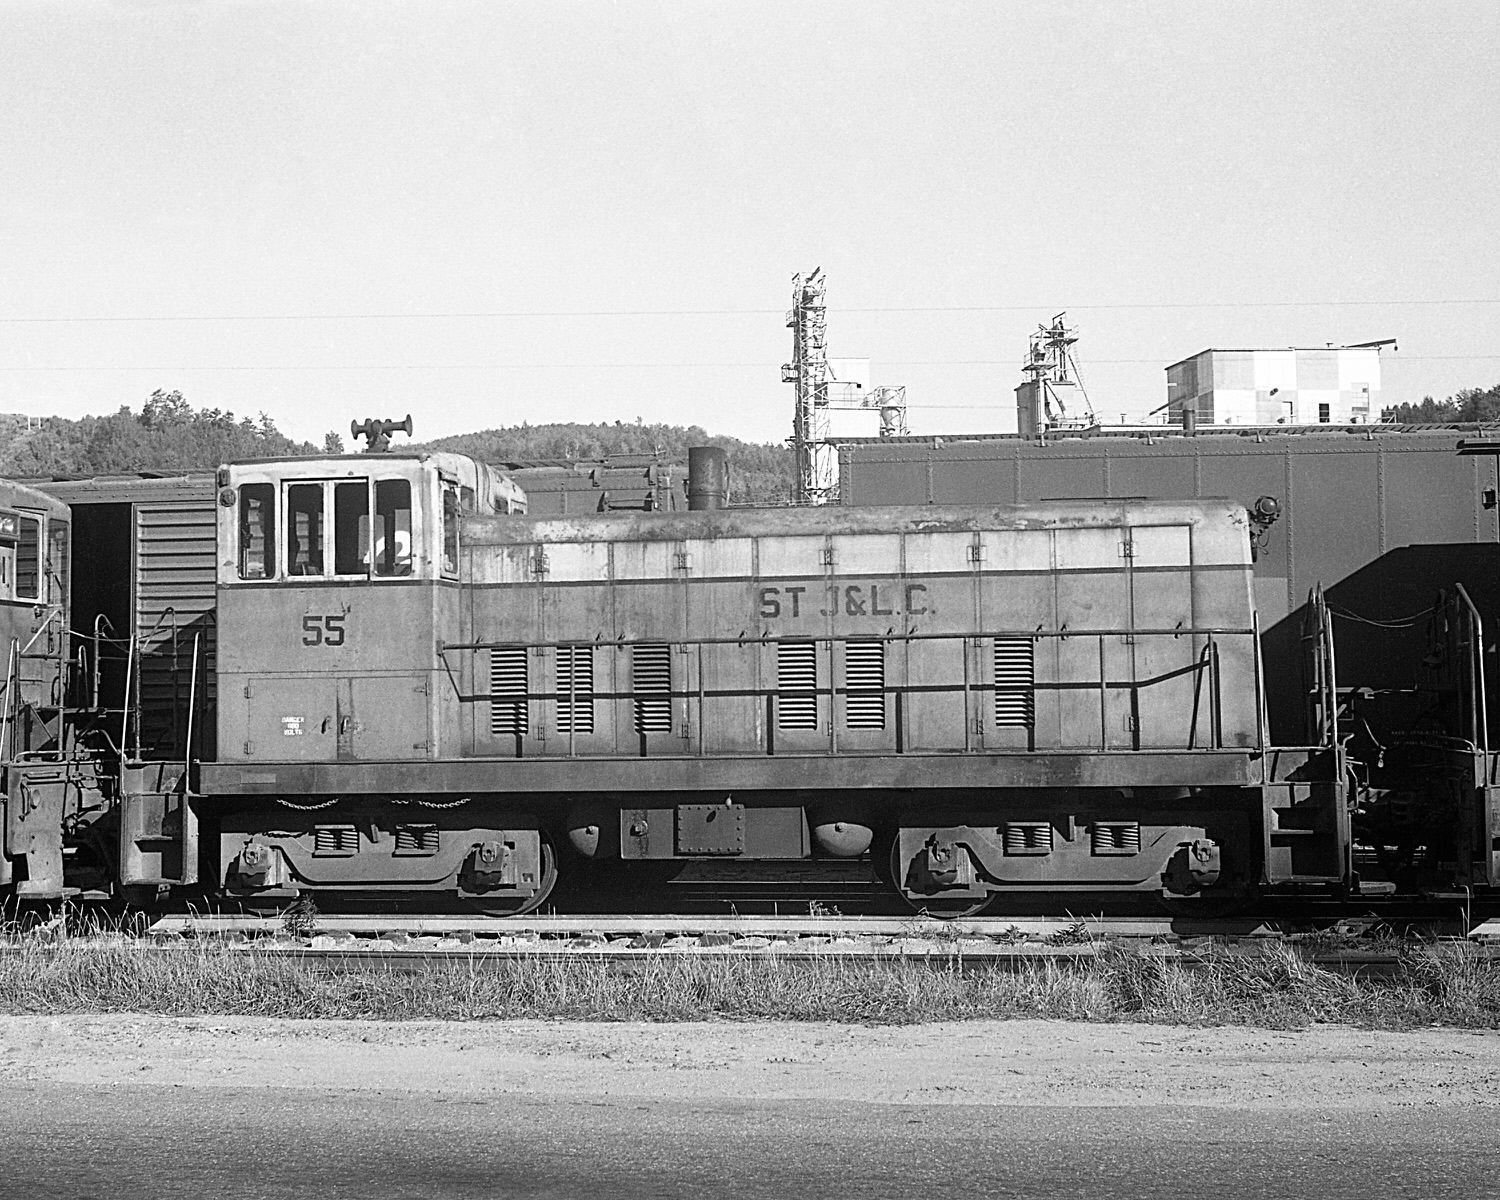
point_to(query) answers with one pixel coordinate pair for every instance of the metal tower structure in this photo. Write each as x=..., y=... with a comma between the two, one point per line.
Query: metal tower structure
x=817, y=462
x=1050, y=366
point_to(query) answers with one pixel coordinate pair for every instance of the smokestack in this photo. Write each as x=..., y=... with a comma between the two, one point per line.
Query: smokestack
x=1189, y=420
x=708, y=478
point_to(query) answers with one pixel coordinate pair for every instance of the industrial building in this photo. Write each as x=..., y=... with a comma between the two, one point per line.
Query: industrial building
x=1330, y=385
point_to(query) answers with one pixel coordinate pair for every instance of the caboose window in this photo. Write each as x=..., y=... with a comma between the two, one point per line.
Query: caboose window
x=257, y=521
x=392, y=527
x=29, y=559
x=304, y=529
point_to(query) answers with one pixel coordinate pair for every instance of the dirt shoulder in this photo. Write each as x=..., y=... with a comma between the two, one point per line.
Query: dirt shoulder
x=986, y=1062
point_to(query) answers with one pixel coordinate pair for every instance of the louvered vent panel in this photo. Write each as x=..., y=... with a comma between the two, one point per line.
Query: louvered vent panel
x=1116, y=837
x=651, y=681
x=575, y=689
x=1015, y=683
x=864, y=681
x=1028, y=837
x=508, y=688
x=796, y=685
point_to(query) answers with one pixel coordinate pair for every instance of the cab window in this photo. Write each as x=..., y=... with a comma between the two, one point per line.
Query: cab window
x=10, y=529
x=57, y=559
x=257, y=521
x=304, y=529
x=351, y=528
x=392, y=527
x=450, y=530
x=29, y=559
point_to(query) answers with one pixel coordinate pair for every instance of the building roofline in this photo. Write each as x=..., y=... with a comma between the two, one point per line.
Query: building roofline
x=1324, y=349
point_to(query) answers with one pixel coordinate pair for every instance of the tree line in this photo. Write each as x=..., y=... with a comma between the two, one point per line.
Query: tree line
x=1470, y=404
x=170, y=436
x=167, y=436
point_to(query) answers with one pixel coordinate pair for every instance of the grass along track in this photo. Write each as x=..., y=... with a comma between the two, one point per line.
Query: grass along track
x=1278, y=982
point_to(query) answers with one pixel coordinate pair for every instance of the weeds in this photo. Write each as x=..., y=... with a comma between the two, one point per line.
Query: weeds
x=1278, y=986
x=300, y=917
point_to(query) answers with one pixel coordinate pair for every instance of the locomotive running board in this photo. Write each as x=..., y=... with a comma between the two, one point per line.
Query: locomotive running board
x=1097, y=769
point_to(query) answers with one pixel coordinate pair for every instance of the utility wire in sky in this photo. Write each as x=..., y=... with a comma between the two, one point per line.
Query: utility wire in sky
x=621, y=366
x=735, y=312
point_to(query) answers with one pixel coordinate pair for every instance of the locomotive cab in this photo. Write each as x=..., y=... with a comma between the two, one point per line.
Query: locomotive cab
x=334, y=585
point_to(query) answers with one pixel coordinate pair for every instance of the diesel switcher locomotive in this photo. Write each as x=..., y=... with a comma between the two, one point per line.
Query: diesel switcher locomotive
x=372, y=678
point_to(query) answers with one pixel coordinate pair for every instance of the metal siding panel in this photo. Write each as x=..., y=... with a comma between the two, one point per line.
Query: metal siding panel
x=884, y=482
x=1161, y=475
x=1063, y=477
x=389, y=717
x=1429, y=496
x=1097, y=600
x=710, y=557
x=1338, y=501
x=867, y=553
x=974, y=481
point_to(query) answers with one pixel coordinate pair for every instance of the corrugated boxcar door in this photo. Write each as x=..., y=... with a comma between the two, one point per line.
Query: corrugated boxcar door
x=174, y=601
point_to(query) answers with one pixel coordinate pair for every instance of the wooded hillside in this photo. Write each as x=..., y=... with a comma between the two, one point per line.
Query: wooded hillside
x=167, y=435
x=758, y=473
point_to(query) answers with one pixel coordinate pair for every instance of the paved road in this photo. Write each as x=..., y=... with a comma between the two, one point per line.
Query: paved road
x=122, y=1141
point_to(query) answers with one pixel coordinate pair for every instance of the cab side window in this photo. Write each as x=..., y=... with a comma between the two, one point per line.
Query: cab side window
x=10, y=528
x=393, y=527
x=29, y=559
x=450, y=530
x=351, y=528
x=257, y=521
x=304, y=529
x=57, y=560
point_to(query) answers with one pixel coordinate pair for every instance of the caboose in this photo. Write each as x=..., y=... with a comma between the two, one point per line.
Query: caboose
x=423, y=692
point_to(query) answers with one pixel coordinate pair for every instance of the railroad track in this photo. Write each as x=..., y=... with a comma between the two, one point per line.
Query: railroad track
x=409, y=941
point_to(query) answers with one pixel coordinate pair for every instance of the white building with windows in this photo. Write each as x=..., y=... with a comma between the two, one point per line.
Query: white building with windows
x=1331, y=385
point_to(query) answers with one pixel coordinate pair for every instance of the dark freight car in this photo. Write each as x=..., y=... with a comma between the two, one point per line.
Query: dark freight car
x=143, y=604
x=1381, y=519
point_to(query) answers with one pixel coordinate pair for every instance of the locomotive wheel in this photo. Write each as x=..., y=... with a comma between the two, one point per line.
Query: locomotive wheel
x=944, y=909
x=501, y=905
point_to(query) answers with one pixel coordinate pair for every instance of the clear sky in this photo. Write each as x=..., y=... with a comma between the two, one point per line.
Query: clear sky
x=484, y=213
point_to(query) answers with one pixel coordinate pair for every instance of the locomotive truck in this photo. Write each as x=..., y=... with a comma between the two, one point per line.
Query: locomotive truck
x=377, y=681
